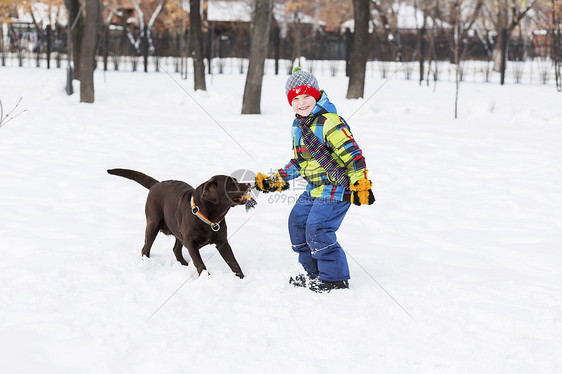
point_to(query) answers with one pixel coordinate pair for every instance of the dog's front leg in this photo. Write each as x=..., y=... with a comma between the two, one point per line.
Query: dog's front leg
x=226, y=252
x=193, y=250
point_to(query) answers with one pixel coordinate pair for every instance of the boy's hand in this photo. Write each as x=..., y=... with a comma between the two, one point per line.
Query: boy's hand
x=272, y=183
x=361, y=193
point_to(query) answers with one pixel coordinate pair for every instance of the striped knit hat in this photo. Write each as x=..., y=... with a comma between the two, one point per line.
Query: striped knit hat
x=301, y=83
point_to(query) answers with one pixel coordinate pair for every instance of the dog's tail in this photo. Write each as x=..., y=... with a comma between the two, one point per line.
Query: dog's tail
x=137, y=176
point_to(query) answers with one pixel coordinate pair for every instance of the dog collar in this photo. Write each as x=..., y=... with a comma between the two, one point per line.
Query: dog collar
x=195, y=210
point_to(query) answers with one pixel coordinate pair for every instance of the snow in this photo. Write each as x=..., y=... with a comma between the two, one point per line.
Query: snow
x=229, y=11
x=407, y=17
x=241, y=11
x=42, y=16
x=465, y=234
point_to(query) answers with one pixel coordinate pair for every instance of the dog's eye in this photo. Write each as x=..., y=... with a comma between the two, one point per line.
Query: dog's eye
x=230, y=184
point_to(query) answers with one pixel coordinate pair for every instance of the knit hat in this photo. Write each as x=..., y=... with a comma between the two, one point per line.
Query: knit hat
x=301, y=83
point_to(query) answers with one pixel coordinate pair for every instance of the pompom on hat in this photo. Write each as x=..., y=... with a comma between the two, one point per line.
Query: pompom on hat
x=302, y=83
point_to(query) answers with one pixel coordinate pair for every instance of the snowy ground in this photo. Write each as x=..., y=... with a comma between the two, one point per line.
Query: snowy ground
x=465, y=234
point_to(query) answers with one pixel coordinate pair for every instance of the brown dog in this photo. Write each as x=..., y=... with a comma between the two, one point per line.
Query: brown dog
x=195, y=216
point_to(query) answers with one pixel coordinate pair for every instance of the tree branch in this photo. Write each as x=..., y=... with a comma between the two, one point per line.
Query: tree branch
x=112, y=12
x=474, y=16
x=4, y=119
x=140, y=14
x=517, y=17
x=382, y=14
x=157, y=11
x=39, y=28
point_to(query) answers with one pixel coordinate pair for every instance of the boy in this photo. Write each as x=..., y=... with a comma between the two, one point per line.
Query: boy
x=329, y=159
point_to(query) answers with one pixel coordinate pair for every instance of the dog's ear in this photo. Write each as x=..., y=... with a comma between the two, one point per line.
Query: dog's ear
x=210, y=191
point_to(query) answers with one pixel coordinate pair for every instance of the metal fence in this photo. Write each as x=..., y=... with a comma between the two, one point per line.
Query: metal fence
x=532, y=61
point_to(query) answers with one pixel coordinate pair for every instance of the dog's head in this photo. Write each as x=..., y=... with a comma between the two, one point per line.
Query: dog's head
x=225, y=190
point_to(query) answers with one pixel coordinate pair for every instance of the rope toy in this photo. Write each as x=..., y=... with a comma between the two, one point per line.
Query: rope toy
x=250, y=201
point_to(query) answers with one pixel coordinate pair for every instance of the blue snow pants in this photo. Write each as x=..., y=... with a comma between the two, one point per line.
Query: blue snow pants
x=313, y=223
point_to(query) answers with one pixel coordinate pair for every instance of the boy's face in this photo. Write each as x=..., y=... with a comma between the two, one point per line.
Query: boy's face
x=303, y=104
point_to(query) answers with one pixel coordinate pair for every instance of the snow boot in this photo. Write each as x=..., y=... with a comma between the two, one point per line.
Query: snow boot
x=320, y=286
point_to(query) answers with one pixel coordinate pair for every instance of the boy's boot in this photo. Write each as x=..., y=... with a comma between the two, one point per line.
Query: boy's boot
x=318, y=285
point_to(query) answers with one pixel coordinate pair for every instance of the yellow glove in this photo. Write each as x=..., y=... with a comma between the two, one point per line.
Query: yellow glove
x=361, y=193
x=273, y=183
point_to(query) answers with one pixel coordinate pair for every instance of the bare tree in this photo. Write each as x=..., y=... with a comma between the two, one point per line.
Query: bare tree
x=88, y=50
x=461, y=24
x=38, y=27
x=9, y=116
x=505, y=15
x=77, y=32
x=359, y=49
x=258, y=50
x=136, y=41
x=196, y=42
x=557, y=43
x=382, y=11
x=388, y=13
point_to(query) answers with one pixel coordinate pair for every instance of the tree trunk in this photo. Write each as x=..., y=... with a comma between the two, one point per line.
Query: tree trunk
x=359, y=49
x=422, y=46
x=77, y=34
x=556, y=51
x=88, y=50
x=497, y=56
x=258, y=50
x=196, y=42
x=457, y=61
x=503, y=59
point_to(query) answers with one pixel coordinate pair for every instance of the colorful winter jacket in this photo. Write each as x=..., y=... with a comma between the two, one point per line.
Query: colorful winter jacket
x=334, y=133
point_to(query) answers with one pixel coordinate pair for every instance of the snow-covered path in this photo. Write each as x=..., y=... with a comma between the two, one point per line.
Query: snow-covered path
x=465, y=234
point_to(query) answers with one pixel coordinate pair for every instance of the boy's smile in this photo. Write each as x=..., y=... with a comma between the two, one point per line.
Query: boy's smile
x=303, y=104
